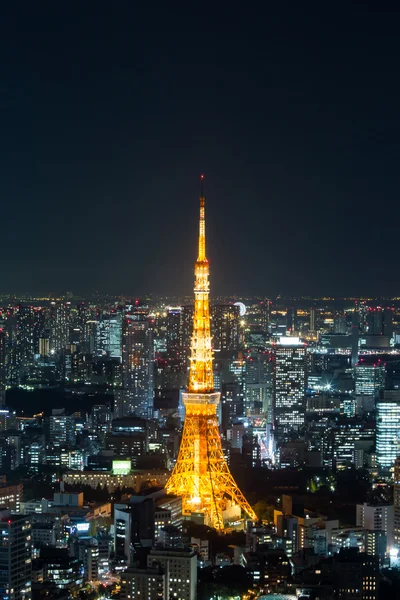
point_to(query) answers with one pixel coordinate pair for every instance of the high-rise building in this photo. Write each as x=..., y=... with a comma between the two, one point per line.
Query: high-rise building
x=379, y=321
x=60, y=321
x=387, y=428
x=150, y=583
x=15, y=557
x=340, y=323
x=181, y=567
x=134, y=526
x=201, y=475
x=61, y=428
x=353, y=439
x=108, y=335
x=312, y=319
x=376, y=517
x=2, y=366
x=225, y=326
x=356, y=575
x=129, y=437
x=369, y=378
x=289, y=384
x=136, y=395
x=174, y=318
x=256, y=383
x=355, y=335
x=396, y=503
x=25, y=334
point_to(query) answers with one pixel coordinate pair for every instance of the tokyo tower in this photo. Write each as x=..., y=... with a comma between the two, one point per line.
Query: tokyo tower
x=201, y=475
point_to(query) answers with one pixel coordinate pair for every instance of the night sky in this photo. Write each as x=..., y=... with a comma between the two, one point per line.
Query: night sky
x=109, y=112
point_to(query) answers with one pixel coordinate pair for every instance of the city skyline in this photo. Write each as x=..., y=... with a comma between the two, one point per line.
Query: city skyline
x=158, y=440
x=107, y=121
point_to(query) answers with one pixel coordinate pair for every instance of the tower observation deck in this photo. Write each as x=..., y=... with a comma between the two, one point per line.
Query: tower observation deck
x=201, y=475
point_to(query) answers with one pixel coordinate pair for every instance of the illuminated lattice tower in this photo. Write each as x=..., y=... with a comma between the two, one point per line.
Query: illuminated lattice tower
x=201, y=475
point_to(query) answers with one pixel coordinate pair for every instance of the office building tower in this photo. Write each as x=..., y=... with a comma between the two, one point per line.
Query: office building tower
x=60, y=322
x=61, y=428
x=352, y=440
x=356, y=575
x=134, y=526
x=257, y=375
x=136, y=395
x=201, y=475
x=231, y=403
x=15, y=557
x=101, y=418
x=109, y=335
x=377, y=517
x=174, y=315
x=313, y=320
x=44, y=345
x=355, y=335
x=180, y=564
x=60, y=570
x=289, y=384
x=25, y=329
x=369, y=378
x=225, y=326
x=387, y=428
x=150, y=583
x=379, y=321
x=340, y=323
x=89, y=337
x=265, y=309
x=396, y=504
x=87, y=552
x=251, y=450
x=129, y=438
x=3, y=370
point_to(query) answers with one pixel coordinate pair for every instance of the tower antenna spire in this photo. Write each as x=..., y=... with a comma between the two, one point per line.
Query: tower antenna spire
x=202, y=225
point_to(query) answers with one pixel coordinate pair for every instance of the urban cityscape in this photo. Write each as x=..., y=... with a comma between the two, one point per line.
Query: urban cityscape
x=122, y=485
x=199, y=302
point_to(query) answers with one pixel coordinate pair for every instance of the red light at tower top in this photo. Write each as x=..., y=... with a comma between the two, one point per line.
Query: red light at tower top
x=201, y=176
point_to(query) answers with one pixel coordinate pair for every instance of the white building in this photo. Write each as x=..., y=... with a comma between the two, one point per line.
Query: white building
x=377, y=517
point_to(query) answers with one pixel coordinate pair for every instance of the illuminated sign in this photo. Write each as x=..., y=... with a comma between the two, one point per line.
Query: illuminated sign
x=290, y=341
x=82, y=527
x=121, y=467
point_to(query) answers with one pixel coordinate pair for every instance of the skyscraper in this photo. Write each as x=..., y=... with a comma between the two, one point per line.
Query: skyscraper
x=174, y=330
x=387, y=428
x=15, y=557
x=369, y=378
x=136, y=395
x=201, y=476
x=108, y=335
x=289, y=384
x=225, y=326
x=396, y=503
x=256, y=383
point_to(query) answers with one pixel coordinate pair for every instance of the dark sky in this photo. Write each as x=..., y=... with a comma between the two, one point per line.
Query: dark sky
x=109, y=112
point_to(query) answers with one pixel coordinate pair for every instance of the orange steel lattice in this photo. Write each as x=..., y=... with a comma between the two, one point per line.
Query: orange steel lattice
x=201, y=475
